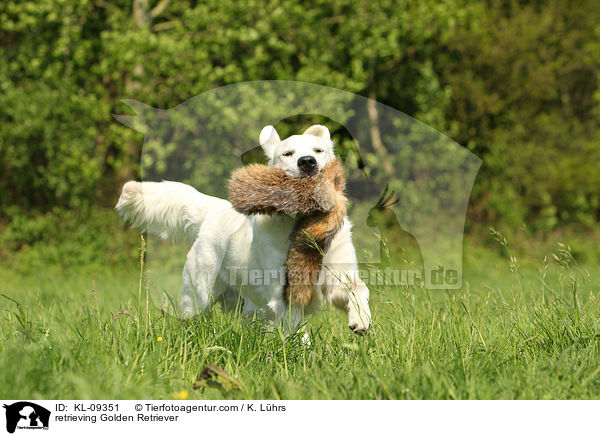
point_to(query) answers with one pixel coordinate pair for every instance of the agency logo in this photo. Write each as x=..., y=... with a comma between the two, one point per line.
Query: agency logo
x=26, y=415
x=408, y=185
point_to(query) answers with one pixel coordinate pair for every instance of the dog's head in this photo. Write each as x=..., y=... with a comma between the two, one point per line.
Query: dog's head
x=299, y=155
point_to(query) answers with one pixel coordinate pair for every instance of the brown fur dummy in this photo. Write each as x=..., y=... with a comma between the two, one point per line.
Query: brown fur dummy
x=317, y=202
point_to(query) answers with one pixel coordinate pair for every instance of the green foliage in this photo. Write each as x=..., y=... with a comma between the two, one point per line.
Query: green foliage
x=524, y=83
x=65, y=239
x=515, y=82
x=52, y=155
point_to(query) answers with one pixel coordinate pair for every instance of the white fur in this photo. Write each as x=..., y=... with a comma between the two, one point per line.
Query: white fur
x=226, y=243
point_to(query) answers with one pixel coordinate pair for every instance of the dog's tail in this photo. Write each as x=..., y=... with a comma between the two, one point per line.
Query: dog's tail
x=171, y=210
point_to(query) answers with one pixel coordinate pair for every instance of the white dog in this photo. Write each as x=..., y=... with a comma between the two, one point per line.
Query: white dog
x=229, y=247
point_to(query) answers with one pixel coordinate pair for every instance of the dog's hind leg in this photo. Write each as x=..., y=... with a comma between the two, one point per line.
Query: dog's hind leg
x=289, y=318
x=201, y=286
x=231, y=300
x=293, y=323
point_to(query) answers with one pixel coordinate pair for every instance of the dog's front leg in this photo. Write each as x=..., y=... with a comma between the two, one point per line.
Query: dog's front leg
x=346, y=291
x=341, y=284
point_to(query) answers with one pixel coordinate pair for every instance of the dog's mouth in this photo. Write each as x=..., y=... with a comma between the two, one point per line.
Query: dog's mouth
x=308, y=172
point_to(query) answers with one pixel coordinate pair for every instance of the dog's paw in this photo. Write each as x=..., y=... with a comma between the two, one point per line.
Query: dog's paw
x=306, y=340
x=359, y=321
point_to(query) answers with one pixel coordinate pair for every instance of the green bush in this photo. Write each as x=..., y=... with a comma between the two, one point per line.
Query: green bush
x=524, y=85
x=515, y=82
x=66, y=238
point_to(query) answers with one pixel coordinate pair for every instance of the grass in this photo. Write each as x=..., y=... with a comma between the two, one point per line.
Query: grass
x=515, y=331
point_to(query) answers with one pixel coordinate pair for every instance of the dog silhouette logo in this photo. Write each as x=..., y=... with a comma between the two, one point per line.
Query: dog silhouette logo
x=200, y=141
x=26, y=415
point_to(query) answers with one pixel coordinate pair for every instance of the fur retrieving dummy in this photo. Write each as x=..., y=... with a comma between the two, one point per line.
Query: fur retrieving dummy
x=317, y=202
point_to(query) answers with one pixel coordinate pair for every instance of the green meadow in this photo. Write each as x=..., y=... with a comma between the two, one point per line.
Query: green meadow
x=521, y=328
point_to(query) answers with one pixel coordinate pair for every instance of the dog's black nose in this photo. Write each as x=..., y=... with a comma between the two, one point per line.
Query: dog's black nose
x=308, y=164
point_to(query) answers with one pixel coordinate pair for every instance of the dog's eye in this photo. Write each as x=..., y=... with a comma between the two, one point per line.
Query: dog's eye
x=318, y=150
x=288, y=154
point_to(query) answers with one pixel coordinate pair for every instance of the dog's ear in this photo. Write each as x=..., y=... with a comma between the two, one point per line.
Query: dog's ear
x=268, y=139
x=319, y=131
